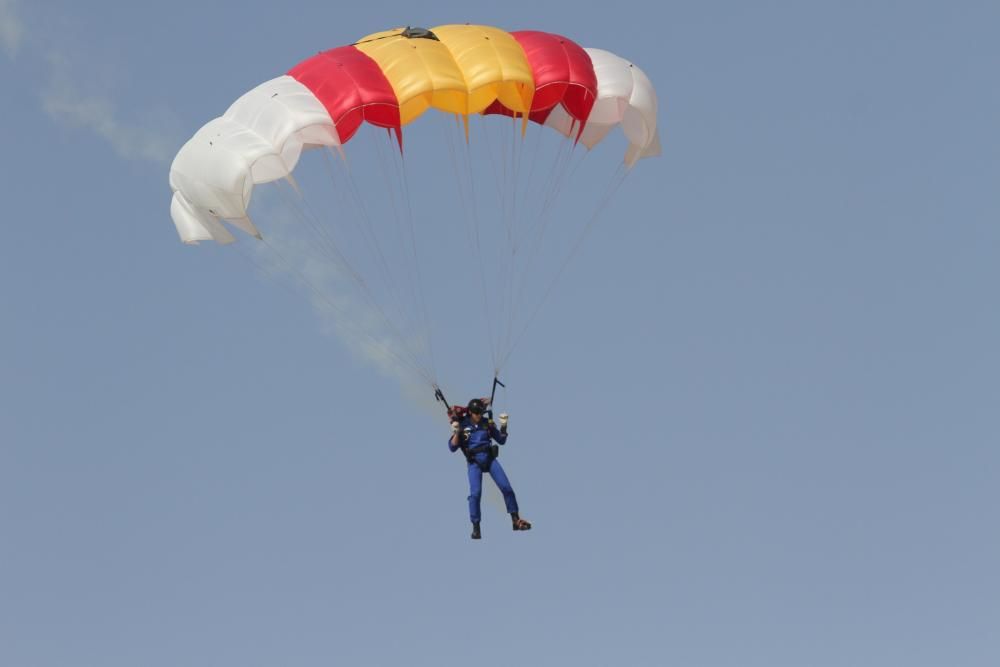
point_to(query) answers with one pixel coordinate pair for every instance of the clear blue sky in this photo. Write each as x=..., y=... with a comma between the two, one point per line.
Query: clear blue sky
x=756, y=426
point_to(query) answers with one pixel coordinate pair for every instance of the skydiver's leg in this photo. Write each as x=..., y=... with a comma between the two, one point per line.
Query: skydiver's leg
x=500, y=477
x=475, y=492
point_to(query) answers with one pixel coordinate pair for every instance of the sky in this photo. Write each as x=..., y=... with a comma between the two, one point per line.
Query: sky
x=754, y=425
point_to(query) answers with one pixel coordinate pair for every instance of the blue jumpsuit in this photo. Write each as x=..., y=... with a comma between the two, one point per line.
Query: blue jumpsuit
x=474, y=435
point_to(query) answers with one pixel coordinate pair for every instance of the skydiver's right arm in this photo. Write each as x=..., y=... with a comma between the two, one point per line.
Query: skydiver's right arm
x=455, y=441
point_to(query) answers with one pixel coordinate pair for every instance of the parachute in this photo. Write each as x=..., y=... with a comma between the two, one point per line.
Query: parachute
x=389, y=80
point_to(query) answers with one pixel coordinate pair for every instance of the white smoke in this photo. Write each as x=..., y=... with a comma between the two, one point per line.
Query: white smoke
x=73, y=97
x=287, y=255
x=69, y=103
x=11, y=28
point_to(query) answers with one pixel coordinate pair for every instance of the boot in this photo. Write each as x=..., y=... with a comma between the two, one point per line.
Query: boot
x=475, y=531
x=518, y=522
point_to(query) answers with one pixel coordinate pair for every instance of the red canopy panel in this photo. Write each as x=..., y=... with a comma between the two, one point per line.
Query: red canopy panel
x=353, y=89
x=563, y=74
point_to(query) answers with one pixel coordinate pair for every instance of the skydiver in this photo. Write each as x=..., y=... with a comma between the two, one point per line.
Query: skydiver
x=473, y=435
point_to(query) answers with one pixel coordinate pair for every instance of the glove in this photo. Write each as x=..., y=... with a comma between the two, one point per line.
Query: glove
x=454, y=428
x=503, y=420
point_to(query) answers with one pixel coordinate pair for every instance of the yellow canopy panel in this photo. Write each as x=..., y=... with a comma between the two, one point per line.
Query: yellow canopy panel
x=463, y=72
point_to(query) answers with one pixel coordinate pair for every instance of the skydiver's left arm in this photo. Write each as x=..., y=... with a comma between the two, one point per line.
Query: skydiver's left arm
x=499, y=434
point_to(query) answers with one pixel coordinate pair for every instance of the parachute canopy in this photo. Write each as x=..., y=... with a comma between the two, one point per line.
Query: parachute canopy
x=389, y=79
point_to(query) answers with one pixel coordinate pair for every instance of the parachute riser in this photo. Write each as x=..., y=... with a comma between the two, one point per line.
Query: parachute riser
x=453, y=410
x=439, y=396
x=493, y=394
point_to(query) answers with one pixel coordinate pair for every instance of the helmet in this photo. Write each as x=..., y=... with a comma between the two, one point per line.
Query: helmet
x=476, y=406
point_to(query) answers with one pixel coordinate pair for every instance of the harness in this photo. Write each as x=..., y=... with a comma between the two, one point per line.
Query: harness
x=491, y=449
